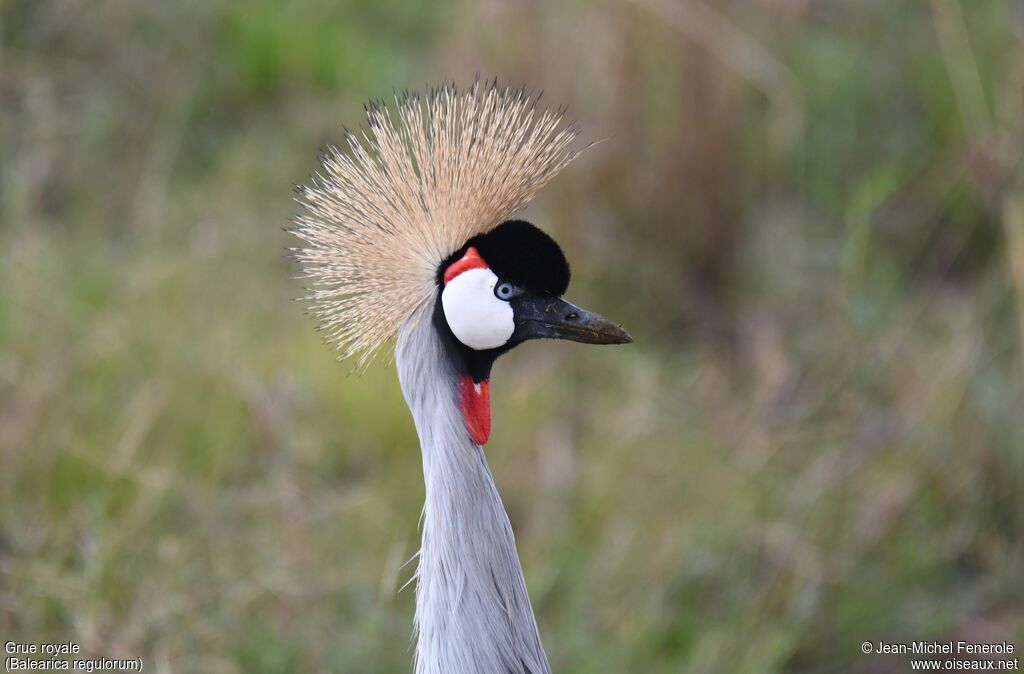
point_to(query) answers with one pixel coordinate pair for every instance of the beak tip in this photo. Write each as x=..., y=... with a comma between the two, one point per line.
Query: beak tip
x=614, y=334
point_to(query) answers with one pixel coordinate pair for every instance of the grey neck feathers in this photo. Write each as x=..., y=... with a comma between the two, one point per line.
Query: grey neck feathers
x=473, y=613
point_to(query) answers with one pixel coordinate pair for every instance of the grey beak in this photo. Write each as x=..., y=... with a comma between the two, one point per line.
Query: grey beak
x=554, y=318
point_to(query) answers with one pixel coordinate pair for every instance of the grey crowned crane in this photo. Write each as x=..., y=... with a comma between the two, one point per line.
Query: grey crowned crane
x=409, y=232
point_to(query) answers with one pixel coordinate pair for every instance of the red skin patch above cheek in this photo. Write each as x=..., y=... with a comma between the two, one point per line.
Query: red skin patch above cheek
x=471, y=260
x=475, y=402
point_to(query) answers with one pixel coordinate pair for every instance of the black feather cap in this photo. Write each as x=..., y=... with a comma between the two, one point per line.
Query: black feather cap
x=521, y=253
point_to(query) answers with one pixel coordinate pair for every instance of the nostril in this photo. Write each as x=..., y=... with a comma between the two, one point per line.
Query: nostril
x=572, y=316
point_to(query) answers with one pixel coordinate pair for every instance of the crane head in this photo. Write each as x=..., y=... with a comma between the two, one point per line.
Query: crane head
x=410, y=222
x=499, y=290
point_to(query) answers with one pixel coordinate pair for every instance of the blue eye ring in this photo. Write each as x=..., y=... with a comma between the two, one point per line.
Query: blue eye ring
x=505, y=291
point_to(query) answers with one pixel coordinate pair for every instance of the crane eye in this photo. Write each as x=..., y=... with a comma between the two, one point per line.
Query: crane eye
x=505, y=291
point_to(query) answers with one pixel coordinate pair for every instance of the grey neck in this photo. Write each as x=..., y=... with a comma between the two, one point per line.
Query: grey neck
x=473, y=613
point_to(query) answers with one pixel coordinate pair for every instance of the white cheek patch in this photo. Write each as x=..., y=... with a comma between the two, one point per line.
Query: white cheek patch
x=476, y=317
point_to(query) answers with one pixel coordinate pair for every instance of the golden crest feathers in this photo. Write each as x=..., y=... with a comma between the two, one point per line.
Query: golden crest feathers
x=428, y=174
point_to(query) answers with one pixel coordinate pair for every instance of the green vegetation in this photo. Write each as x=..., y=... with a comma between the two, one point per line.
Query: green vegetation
x=809, y=214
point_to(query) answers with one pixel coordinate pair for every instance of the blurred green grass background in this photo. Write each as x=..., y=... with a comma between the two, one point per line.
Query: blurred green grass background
x=809, y=213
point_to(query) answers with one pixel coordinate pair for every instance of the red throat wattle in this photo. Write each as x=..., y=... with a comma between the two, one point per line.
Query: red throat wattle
x=475, y=402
